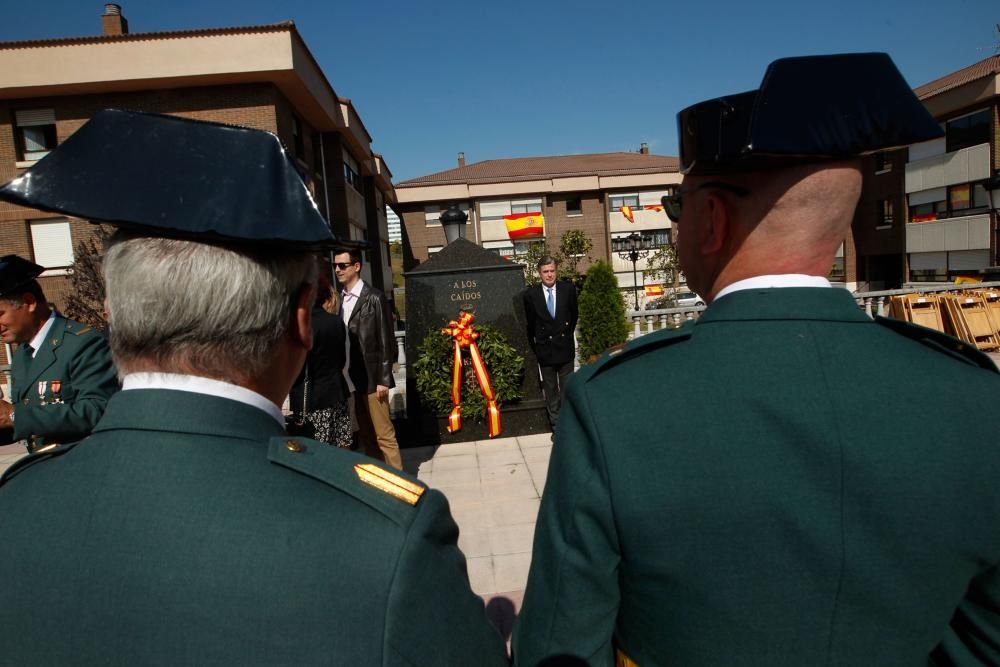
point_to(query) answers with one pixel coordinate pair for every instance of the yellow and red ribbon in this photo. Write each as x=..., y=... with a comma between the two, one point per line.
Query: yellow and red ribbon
x=465, y=336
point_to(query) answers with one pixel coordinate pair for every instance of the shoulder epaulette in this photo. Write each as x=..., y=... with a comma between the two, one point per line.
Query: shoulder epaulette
x=941, y=342
x=44, y=454
x=388, y=491
x=634, y=348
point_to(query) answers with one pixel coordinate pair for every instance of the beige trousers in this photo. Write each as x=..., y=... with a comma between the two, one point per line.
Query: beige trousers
x=375, y=430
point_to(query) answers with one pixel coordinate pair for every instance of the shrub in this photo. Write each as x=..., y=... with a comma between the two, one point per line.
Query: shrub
x=602, y=323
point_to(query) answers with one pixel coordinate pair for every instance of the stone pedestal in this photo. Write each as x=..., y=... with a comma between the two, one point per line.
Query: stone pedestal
x=464, y=276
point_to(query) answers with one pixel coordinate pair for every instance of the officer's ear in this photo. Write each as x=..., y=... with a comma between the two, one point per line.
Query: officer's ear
x=715, y=229
x=29, y=301
x=301, y=325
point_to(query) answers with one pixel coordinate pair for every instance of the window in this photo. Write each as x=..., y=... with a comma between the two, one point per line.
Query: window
x=617, y=201
x=36, y=133
x=52, y=243
x=970, y=130
x=925, y=212
x=433, y=250
x=963, y=199
x=574, y=206
x=526, y=208
x=882, y=163
x=883, y=214
x=351, y=176
x=837, y=273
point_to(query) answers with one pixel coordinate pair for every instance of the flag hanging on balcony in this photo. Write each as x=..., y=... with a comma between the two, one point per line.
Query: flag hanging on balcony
x=654, y=289
x=627, y=212
x=525, y=225
x=653, y=207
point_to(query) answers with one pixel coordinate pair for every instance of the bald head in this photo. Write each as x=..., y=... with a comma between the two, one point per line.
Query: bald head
x=788, y=220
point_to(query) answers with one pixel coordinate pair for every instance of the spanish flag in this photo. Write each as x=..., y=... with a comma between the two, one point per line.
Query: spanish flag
x=525, y=225
x=627, y=212
x=653, y=207
x=653, y=289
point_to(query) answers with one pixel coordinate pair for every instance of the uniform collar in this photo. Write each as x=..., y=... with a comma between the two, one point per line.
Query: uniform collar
x=789, y=303
x=39, y=339
x=775, y=280
x=202, y=385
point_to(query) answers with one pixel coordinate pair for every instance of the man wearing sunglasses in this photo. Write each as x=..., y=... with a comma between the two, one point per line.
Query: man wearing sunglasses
x=812, y=494
x=365, y=311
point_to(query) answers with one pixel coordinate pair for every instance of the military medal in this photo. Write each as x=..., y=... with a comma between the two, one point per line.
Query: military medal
x=56, y=386
x=41, y=392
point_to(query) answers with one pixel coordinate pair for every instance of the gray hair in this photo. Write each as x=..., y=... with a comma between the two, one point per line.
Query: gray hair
x=545, y=260
x=184, y=306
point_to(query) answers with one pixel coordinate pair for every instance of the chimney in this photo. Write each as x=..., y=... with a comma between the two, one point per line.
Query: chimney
x=461, y=159
x=644, y=148
x=112, y=21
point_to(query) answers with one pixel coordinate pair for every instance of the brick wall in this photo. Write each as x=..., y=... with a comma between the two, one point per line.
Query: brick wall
x=593, y=222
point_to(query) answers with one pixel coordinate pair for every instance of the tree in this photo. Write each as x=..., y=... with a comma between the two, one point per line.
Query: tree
x=665, y=265
x=573, y=247
x=602, y=322
x=85, y=302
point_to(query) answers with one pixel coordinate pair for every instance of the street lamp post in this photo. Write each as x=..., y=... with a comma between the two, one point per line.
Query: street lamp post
x=633, y=248
x=453, y=221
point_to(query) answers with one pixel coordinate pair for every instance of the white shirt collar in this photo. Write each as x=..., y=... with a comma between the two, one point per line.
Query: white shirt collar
x=202, y=385
x=39, y=338
x=356, y=290
x=778, y=280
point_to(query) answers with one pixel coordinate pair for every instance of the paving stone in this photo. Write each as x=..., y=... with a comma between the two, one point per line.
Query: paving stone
x=535, y=440
x=511, y=539
x=481, y=577
x=457, y=449
x=498, y=491
x=503, y=474
x=498, y=445
x=459, y=495
x=462, y=462
x=537, y=454
x=497, y=458
x=510, y=571
x=475, y=544
x=454, y=477
x=510, y=511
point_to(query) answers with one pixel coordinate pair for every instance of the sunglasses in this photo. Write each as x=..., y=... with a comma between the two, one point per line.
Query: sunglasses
x=672, y=203
x=343, y=266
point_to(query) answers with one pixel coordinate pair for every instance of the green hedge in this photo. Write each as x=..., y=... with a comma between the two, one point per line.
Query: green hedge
x=602, y=322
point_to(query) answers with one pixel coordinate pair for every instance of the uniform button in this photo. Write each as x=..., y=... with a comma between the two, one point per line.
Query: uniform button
x=294, y=446
x=25, y=401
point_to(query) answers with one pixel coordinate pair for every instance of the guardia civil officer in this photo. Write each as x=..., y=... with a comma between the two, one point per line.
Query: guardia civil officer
x=189, y=528
x=814, y=492
x=61, y=371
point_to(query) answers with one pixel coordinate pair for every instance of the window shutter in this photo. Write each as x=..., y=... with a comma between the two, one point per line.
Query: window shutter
x=30, y=117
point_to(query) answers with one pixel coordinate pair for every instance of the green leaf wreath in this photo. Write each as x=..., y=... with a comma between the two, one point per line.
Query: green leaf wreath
x=434, y=365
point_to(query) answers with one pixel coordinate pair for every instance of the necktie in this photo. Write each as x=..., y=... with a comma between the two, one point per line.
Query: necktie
x=550, y=302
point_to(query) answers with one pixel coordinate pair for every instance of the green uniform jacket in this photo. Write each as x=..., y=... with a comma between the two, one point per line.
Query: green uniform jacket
x=186, y=531
x=75, y=365
x=786, y=482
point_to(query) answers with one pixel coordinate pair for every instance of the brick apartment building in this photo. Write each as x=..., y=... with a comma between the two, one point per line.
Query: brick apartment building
x=951, y=229
x=261, y=77
x=585, y=192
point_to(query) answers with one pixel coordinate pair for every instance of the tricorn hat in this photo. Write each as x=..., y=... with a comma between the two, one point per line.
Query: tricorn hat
x=170, y=176
x=16, y=272
x=807, y=109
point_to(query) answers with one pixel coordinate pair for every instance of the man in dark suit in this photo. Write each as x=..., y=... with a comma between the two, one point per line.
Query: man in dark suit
x=550, y=311
x=189, y=528
x=367, y=314
x=816, y=491
x=61, y=373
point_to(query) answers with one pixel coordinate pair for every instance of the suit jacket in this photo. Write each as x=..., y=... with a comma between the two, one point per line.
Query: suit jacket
x=816, y=491
x=61, y=393
x=373, y=343
x=325, y=364
x=551, y=339
x=198, y=535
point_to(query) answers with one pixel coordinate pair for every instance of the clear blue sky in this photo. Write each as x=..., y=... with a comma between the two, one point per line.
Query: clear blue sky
x=514, y=78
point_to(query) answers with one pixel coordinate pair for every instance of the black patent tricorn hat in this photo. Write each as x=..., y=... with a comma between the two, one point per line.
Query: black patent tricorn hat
x=169, y=176
x=807, y=109
x=16, y=272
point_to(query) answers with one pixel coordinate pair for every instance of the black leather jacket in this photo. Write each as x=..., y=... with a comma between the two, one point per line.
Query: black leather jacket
x=373, y=344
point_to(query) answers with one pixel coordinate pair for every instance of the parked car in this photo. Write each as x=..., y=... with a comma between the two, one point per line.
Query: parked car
x=683, y=299
x=689, y=299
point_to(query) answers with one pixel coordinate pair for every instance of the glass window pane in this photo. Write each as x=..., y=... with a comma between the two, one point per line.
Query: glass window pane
x=958, y=196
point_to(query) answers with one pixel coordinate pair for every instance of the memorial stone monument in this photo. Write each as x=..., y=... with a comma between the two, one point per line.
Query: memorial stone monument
x=465, y=276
